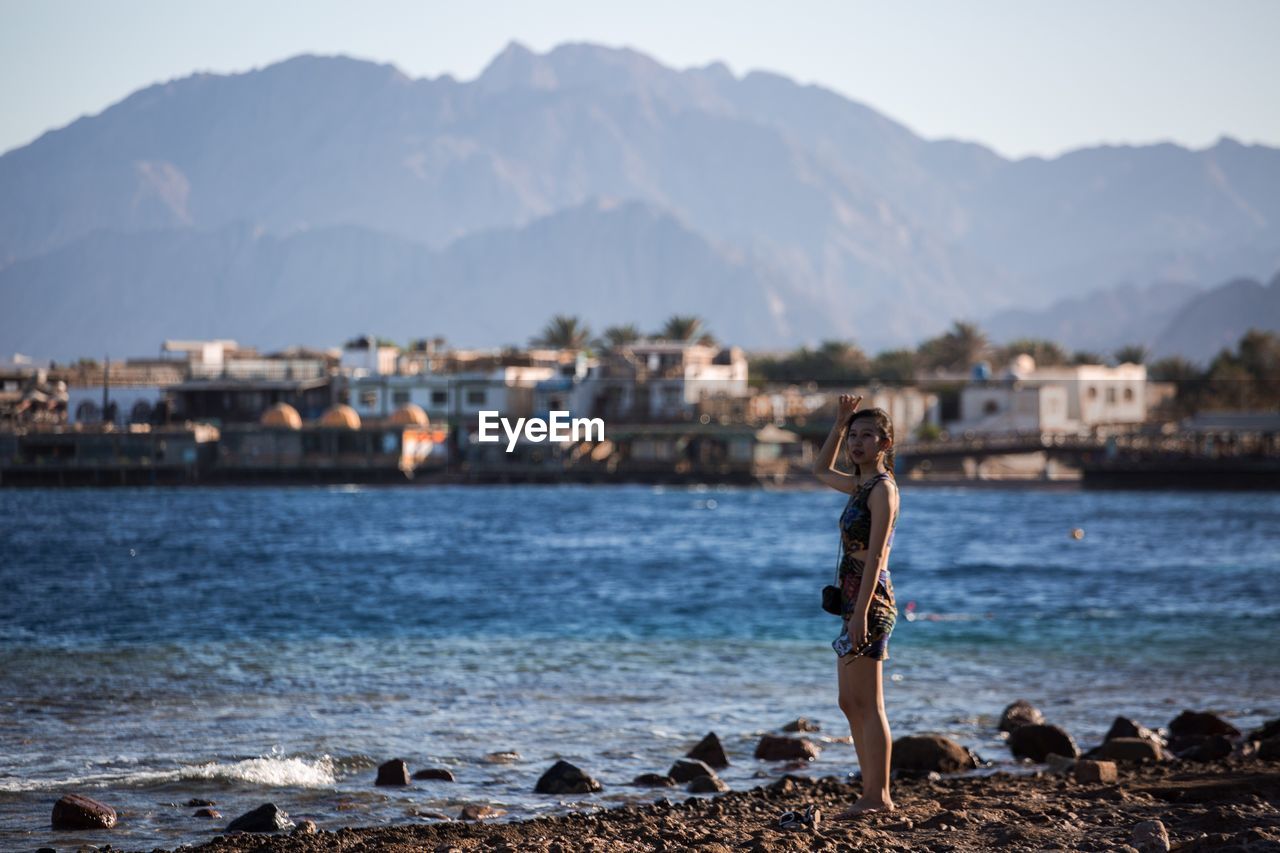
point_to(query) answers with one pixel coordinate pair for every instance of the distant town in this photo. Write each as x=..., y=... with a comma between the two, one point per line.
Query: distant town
x=680, y=406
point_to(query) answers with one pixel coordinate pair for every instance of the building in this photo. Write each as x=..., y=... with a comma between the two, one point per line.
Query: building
x=1075, y=398
x=660, y=381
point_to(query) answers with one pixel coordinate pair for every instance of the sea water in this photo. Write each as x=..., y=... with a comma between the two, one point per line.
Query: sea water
x=255, y=645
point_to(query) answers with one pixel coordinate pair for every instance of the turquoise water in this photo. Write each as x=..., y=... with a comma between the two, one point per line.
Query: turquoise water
x=245, y=645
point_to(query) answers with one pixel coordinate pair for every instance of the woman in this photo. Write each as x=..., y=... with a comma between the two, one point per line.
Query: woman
x=868, y=609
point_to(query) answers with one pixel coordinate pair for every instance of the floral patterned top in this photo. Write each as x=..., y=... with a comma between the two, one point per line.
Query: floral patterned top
x=855, y=536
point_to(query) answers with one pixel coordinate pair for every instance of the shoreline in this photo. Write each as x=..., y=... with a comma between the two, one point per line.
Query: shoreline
x=1228, y=804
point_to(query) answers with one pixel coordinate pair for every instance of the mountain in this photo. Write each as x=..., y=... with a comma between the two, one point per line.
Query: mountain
x=1101, y=321
x=616, y=263
x=1216, y=319
x=854, y=225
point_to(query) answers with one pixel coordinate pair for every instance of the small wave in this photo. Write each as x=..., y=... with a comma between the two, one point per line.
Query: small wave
x=260, y=772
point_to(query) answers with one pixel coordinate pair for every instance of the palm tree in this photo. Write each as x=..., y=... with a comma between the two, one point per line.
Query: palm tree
x=563, y=332
x=681, y=327
x=957, y=349
x=620, y=336
x=1131, y=354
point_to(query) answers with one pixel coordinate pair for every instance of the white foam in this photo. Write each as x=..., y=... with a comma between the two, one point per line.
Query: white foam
x=260, y=772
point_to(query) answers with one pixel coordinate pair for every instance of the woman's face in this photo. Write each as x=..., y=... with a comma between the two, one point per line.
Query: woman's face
x=865, y=441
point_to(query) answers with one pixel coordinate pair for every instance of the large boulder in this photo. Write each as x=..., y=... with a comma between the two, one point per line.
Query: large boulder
x=564, y=778
x=1268, y=730
x=653, y=780
x=802, y=724
x=931, y=753
x=1200, y=724
x=440, y=774
x=1125, y=727
x=1035, y=741
x=774, y=748
x=707, y=785
x=1132, y=749
x=1269, y=749
x=1212, y=748
x=1020, y=713
x=74, y=811
x=688, y=769
x=265, y=818
x=710, y=752
x=393, y=772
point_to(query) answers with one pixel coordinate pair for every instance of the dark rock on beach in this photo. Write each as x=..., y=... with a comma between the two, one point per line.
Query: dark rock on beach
x=802, y=724
x=74, y=811
x=476, y=811
x=687, y=769
x=207, y=812
x=393, y=772
x=195, y=803
x=1018, y=714
x=1125, y=727
x=707, y=785
x=564, y=778
x=1133, y=749
x=1212, y=748
x=930, y=753
x=710, y=751
x=653, y=780
x=265, y=818
x=1200, y=724
x=774, y=748
x=1036, y=741
x=1268, y=730
x=437, y=773
x=1269, y=749
x=305, y=827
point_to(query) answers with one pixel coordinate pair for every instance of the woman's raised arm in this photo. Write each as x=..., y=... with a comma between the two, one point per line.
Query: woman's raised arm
x=824, y=466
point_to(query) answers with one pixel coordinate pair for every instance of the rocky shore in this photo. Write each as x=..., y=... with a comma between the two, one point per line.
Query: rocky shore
x=1196, y=784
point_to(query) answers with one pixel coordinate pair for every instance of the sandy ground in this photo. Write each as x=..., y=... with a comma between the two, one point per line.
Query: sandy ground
x=1228, y=805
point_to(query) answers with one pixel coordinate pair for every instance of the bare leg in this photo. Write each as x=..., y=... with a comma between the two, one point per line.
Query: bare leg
x=862, y=700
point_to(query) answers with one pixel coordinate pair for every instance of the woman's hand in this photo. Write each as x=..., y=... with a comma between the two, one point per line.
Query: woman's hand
x=849, y=404
x=856, y=626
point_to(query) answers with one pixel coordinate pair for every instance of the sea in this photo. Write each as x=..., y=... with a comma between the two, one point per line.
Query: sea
x=244, y=646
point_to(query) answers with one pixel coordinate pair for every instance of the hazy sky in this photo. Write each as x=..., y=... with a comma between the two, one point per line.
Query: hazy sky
x=1022, y=76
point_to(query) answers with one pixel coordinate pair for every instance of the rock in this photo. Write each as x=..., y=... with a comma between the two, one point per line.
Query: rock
x=653, y=780
x=208, y=812
x=507, y=757
x=707, y=785
x=1095, y=771
x=564, y=778
x=74, y=811
x=1125, y=727
x=1212, y=748
x=1150, y=836
x=802, y=724
x=1269, y=749
x=774, y=748
x=1268, y=730
x=305, y=827
x=473, y=811
x=265, y=818
x=710, y=752
x=394, y=772
x=1200, y=724
x=439, y=773
x=1134, y=749
x=1020, y=713
x=687, y=769
x=925, y=753
x=196, y=803
x=1060, y=764
x=1035, y=741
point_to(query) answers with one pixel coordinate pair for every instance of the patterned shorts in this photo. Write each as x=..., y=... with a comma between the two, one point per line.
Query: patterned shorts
x=881, y=616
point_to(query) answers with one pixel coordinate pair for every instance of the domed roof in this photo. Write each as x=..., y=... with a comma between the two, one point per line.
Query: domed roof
x=342, y=417
x=410, y=414
x=281, y=415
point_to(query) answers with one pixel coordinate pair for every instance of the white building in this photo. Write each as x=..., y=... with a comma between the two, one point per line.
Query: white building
x=1073, y=398
x=450, y=396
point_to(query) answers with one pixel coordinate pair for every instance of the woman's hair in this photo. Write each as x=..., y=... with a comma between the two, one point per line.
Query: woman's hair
x=881, y=418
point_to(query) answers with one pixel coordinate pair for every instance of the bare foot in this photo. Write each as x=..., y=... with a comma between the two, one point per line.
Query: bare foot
x=865, y=806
